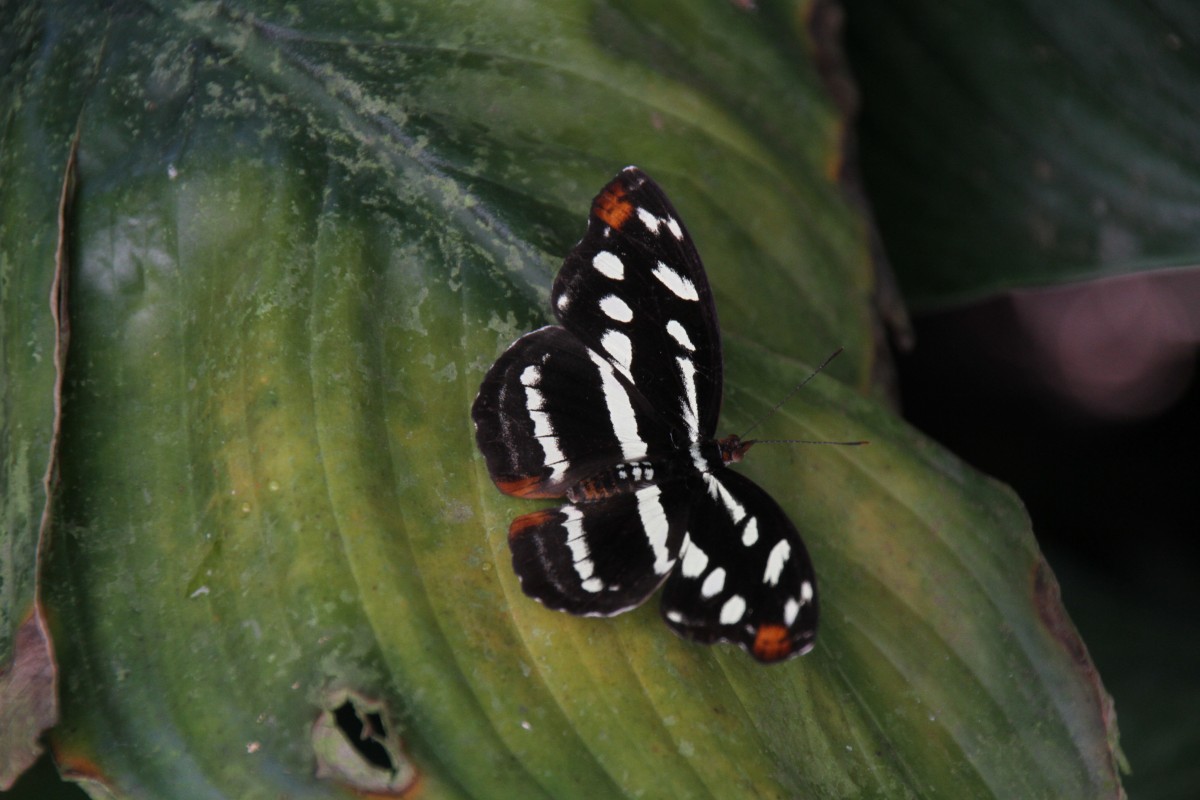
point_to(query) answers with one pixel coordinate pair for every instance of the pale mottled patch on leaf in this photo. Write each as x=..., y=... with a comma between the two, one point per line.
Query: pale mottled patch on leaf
x=27, y=700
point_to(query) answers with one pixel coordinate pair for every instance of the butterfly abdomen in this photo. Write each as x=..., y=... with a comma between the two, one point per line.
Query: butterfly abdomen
x=626, y=477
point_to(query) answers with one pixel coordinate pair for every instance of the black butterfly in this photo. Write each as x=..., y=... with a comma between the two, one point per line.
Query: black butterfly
x=615, y=410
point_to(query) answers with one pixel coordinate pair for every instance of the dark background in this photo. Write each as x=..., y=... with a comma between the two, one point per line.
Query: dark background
x=1114, y=499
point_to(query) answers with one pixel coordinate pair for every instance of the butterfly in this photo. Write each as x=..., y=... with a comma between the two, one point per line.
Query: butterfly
x=615, y=410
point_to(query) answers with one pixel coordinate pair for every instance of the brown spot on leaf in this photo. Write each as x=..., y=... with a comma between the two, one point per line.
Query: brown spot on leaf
x=76, y=767
x=1047, y=598
x=28, y=704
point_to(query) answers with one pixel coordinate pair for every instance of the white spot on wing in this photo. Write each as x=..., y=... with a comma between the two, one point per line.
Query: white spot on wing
x=654, y=224
x=775, y=561
x=578, y=546
x=608, y=265
x=620, y=410
x=574, y=526
x=806, y=592
x=713, y=584
x=695, y=560
x=673, y=227
x=679, y=334
x=717, y=491
x=791, y=609
x=649, y=220
x=654, y=522
x=675, y=616
x=616, y=308
x=733, y=610
x=689, y=408
x=617, y=345
x=563, y=301
x=750, y=535
x=679, y=286
x=543, y=431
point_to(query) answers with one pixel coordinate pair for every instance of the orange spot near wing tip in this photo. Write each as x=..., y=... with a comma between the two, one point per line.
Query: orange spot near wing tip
x=771, y=643
x=612, y=206
x=521, y=487
x=526, y=521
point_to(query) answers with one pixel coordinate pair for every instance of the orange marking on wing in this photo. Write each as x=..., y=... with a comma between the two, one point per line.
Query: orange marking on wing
x=612, y=206
x=771, y=642
x=522, y=487
x=527, y=521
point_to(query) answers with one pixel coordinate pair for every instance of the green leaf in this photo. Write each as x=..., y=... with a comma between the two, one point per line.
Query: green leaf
x=299, y=242
x=1025, y=143
x=35, y=187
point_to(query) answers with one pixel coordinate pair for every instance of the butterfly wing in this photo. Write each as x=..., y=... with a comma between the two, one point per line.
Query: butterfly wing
x=743, y=574
x=635, y=290
x=551, y=412
x=601, y=557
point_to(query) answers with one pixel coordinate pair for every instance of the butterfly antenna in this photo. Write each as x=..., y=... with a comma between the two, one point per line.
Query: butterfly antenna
x=789, y=396
x=809, y=441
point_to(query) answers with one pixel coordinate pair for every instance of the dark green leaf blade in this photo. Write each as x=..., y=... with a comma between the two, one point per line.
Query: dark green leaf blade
x=300, y=245
x=36, y=186
x=1025, y=144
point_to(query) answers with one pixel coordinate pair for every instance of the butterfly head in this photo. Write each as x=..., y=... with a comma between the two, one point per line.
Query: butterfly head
x=733, y=448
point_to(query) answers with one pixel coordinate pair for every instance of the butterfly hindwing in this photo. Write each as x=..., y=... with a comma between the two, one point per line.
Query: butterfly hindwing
x=601, y=557
x=634, y=289
x=743, y=574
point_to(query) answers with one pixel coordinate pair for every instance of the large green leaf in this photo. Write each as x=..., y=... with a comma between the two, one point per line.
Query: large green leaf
x=1028, y=143
x=298, y=242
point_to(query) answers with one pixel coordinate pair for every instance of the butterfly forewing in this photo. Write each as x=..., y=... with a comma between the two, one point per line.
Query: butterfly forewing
x=634, y=289
x=743, y=574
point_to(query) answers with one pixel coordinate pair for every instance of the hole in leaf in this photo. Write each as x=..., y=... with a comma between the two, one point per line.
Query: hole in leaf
x=364, y=735
x=356, y=744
